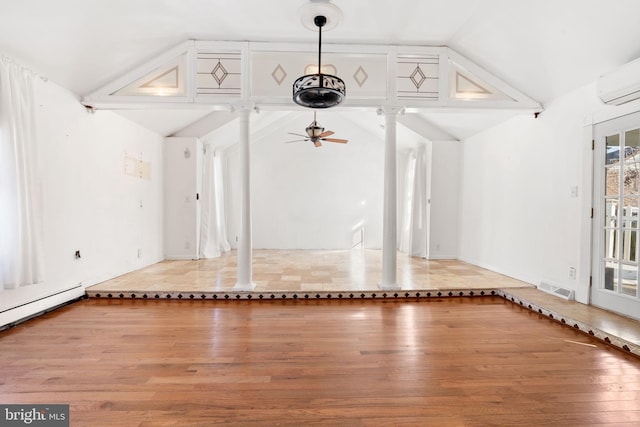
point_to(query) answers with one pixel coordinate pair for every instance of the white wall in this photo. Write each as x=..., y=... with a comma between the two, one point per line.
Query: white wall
x=305, y=197
x=90, y=204
x=442, y=191
x=444, y=184
x=310, y=198
x=183, y=175
x=517, y=213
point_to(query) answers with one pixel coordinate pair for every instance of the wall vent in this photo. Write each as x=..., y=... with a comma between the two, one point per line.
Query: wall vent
x=556, y=290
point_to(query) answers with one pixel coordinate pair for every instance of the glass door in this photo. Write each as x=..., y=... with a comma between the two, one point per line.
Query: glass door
x=616, y=225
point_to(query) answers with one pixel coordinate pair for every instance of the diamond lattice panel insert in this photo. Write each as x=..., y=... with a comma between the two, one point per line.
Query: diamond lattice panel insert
x=418, y=77
x=279, y=74
x=218, y=74
x=273, y=73
x=168, y=80
x=360, y=76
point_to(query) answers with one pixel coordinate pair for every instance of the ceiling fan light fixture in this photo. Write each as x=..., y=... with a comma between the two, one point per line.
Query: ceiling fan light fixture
x=319, y=90
x=314, y=130
x=316, y=134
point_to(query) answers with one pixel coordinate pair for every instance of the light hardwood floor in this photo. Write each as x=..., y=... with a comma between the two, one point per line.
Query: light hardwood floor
x=441, y=362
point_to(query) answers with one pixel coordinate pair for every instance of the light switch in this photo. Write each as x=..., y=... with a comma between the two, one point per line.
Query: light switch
x=574, y=191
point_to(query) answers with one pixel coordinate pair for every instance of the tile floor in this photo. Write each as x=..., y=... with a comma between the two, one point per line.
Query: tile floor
x=308, y=271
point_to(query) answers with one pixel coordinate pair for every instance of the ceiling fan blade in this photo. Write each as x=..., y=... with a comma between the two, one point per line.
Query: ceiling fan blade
x=296, y=140
x=341, y=141
x=297, y=134
x=327, y=133
x=317, y=144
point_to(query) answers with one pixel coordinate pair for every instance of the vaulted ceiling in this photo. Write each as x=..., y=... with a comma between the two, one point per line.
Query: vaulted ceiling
x=543, y=48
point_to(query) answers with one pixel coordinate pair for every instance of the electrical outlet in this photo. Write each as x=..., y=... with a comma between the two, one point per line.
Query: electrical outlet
x=572, y=273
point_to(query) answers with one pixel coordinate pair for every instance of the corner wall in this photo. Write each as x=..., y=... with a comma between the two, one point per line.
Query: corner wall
x=102, y=196
x=519, y=214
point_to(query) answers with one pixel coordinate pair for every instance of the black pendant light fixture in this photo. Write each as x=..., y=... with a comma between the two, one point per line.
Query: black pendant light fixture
x=319, y=90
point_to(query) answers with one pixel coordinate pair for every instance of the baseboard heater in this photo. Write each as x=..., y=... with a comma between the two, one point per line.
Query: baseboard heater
x=57, y=300
x=557, y=290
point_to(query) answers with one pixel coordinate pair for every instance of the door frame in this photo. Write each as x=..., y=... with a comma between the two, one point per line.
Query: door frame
x=591, y=253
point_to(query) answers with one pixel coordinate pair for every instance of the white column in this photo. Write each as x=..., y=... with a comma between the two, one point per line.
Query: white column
x=245, y=279
x=389, y=217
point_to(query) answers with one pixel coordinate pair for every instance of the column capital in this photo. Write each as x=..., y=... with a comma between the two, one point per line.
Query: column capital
x=247, y=107
x=390, y=110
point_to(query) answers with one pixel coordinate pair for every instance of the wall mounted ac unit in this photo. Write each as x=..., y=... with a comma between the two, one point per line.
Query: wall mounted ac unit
x=622, y=85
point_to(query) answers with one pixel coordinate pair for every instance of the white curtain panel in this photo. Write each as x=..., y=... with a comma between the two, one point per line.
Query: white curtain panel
x=20, y=184
x=414, y=231
x=213, y=228
x=406, y=203
x=419, y=229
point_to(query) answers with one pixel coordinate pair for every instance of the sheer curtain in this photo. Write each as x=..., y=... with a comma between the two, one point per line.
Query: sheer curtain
x=213, y=228
x=414, y=231
x=20, y=186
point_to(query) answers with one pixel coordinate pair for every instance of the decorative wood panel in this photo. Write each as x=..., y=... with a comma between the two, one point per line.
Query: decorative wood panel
x=229, y=73
x=166, y=80
x=467, y=86
x=218, y=74
x=418, y=77
x=273, y=73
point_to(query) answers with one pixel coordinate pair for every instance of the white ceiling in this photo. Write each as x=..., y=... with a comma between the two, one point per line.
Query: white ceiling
x=544, y=48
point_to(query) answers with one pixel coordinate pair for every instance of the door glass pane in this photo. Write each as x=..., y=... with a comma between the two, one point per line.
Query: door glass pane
x=612, y=181
x=612, y=169
x=631, y=178
x=632, y=143
x=629, y=280
x=629, y=240
x=610, y=243
x=630, y=212
x=611, y=213
x=610, y=275
x=612, y=146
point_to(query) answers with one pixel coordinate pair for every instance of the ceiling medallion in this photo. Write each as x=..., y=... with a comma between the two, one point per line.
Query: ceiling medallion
x=319, y=90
